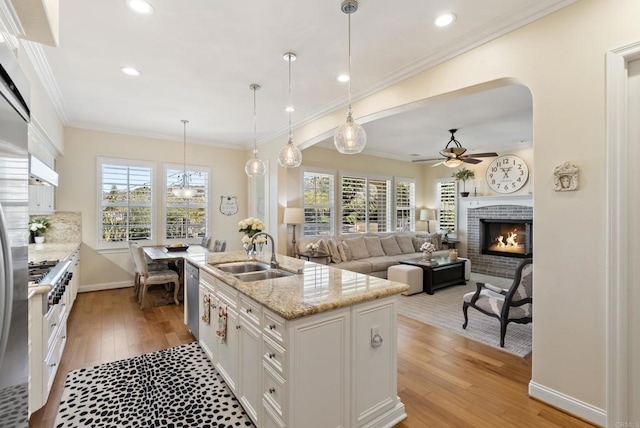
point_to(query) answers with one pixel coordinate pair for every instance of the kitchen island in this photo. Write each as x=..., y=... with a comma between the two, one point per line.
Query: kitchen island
x=314, y=349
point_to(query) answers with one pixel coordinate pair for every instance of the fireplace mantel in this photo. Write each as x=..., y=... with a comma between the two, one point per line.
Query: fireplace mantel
x=472, y=202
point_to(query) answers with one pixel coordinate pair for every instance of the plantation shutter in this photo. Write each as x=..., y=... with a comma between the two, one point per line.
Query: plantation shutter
x=319, y=201
x=405, y=206
x=186, y=218
x=447, y=205
x=365, y=204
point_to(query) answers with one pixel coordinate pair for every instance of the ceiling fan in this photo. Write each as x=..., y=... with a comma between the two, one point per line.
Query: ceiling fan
x=454, y=154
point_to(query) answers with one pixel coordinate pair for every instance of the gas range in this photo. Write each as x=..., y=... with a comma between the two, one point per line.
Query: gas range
x=53, y=273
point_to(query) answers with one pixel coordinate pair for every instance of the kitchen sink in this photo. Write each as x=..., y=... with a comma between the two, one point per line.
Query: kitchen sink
x=242, y=267
x=262, y=275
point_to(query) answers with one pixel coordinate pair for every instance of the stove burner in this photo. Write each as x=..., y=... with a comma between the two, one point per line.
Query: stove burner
x=39, y=270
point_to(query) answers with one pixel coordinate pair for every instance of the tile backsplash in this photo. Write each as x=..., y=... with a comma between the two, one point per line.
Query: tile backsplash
x=64, y=227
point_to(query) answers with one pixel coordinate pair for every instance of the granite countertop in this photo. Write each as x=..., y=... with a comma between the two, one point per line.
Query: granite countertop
x=51, y=251
x=319, y=288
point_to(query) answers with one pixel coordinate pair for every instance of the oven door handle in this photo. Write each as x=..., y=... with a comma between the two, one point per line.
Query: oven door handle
x=6, y=285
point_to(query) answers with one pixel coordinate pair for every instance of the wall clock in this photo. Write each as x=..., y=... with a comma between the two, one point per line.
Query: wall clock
x=507, y=174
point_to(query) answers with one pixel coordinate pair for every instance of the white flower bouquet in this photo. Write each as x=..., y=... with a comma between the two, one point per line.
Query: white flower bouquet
x=428, y=247
x=39, y=226
x=250, y=226
x=313, y=247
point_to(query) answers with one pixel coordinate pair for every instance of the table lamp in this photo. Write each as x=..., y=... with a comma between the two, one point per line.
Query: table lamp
x=294, y=216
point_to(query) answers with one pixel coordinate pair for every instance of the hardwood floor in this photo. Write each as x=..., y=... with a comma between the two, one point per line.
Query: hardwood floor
x=444, y=380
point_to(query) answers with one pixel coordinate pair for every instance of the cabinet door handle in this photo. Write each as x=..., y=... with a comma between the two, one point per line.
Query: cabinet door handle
x=52, y=365
x=248, y=310
x=376, y=341
x=271, y=355
x=54, y=324
x=272, y=327
x=238, y=327
x=272, y=390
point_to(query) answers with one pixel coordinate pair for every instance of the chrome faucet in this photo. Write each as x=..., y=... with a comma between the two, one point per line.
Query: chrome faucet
x=274, y=263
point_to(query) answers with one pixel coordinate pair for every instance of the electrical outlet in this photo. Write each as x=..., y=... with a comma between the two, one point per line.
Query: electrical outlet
x=375, y=331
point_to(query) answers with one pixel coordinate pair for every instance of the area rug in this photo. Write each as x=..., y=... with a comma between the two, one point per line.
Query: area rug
x=444, y=309
x=175, y=387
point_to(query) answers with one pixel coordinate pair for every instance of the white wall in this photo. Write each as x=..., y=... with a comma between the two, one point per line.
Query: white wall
x=77, y=191
x=560, y=58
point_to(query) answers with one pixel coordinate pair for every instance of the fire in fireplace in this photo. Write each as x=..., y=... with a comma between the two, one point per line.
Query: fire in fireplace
x=504, y=237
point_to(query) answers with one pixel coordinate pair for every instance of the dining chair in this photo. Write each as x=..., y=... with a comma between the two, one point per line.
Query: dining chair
x=148, y=277
x=219, y=246
x=152, y=266
x=206, y=241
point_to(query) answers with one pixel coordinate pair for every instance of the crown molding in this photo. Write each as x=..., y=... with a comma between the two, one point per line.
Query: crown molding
x=10, y=23
x=41, y=65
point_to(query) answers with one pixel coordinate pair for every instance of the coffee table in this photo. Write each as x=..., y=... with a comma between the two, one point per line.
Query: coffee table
x=439, y=273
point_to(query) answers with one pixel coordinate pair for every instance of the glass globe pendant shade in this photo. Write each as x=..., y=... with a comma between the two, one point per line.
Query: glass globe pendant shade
x=290, y=156
x=350, y=137
x=452, y=163
x=254, y=166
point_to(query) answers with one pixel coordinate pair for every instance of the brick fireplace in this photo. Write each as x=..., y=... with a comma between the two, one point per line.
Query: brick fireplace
x=485, y=226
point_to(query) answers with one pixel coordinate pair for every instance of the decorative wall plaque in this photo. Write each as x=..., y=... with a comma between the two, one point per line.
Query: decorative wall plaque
x=565, y=177
x=228, y=205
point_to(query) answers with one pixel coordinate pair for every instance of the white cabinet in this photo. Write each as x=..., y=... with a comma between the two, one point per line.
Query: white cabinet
x=289, y=373
x=250, y=354
x=41, y=200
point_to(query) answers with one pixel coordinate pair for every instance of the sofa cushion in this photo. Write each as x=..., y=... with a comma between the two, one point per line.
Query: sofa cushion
x=390, y=246
x=358, y=248
x=374, y=248
x=323, y=247
x=360, y=266
x=405, y=243
x=381, y=263
x=333, y=251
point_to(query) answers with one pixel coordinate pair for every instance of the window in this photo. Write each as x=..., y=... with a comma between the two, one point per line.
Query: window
x=126, y=201
x=405, y=205
x=365, y=204
x=318, y=191
x=446, y=194
x=186, y=218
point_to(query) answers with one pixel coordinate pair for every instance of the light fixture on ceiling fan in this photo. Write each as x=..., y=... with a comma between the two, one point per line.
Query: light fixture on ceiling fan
x=184, y=191
x=454, y=154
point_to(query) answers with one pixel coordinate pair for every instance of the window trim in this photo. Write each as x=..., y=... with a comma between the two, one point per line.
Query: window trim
x=412, y=207
x=334, y=207
x=163, y=214
x=390, y=201
x=100, y=161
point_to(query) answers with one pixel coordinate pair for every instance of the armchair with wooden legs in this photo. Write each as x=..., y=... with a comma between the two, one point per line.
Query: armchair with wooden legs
x=148, y=277
x=513, y=304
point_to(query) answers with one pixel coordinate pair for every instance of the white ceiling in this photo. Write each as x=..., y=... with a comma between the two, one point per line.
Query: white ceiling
x=198, y=57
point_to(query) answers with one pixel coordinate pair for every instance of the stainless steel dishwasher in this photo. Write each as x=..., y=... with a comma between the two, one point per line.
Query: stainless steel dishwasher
x=192, y=278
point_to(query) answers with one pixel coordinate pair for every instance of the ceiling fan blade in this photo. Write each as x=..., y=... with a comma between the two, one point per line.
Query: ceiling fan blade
x=471, y=160
x=436, y=164
x=481, y=155
x=426, y=160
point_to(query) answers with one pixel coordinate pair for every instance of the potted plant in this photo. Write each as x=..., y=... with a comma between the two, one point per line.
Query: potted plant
x=464, y=174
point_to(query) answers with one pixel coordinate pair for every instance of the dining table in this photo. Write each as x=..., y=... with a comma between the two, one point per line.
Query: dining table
x=175, y=258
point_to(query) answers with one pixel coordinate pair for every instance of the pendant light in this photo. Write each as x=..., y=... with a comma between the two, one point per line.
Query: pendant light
x=290, y=156
x=350, y=138
x=184, y=191
x=254, y=166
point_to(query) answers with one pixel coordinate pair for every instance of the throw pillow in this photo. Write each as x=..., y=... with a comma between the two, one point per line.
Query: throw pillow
x=342, y=249
x=417, y=243
x=358, y=248
x=436, y=239
x=373, y=247
x=405, y=244
x=333, y=251
x=390, y=246
x=323, y=247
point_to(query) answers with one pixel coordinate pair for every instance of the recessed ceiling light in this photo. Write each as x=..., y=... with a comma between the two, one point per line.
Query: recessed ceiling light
x=290, y=109
x=140, y=6
x=444, y=19
x=129, y=71
x=343, y=78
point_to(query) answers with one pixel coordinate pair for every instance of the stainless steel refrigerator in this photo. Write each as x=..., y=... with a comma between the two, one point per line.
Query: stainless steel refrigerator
x=14, y=237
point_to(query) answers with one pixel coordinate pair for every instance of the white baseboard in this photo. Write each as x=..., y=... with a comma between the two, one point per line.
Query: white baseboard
x=104, y=286
x=568, y=404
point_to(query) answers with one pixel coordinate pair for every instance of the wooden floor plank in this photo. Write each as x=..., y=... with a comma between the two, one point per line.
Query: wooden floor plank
x=444, y=380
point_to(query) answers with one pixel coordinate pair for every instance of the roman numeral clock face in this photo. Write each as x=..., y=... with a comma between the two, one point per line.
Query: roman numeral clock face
x=506, y=174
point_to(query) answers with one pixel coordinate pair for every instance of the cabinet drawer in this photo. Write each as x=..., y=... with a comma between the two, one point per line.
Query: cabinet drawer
x=274, y=356
x=207, y=279
x=250, y=311
x=227, y=294
x=270, y=418
x=50, y=324
x=273, y=392
x=274, y=327
x=54, y=356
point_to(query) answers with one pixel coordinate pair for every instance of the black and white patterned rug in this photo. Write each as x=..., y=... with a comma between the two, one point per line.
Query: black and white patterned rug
x=175, y=387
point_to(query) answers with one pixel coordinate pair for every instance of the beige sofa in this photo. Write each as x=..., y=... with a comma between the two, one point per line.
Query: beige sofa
x=372, y=254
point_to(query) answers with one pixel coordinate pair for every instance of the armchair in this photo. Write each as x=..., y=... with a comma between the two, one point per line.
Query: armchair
x=513, y=304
